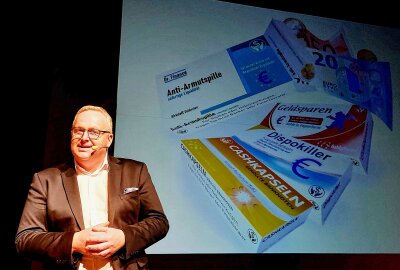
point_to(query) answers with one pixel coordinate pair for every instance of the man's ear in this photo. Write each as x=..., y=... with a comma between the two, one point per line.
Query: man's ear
x=110, y=139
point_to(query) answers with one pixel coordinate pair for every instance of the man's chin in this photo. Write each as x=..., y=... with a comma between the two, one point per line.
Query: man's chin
x=84, y=155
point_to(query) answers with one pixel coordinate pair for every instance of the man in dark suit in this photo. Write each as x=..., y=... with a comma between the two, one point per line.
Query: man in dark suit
x=99, y=212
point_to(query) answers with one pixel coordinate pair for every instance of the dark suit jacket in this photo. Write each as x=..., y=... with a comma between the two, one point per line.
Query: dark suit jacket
x=53, y=213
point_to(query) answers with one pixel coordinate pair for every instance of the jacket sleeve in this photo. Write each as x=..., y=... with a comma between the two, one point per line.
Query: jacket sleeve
x=33, y=239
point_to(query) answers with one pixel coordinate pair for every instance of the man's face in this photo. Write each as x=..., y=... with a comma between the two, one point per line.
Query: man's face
x=88, y=131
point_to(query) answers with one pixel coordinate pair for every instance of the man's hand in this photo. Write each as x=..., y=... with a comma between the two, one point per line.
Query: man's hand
x=104, y=241
x=99, y=240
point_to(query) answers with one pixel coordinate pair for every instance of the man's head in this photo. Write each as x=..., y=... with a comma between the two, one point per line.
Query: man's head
x=91, y=134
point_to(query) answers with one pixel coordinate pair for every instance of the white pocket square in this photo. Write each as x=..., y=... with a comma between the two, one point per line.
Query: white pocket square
x=130, y=189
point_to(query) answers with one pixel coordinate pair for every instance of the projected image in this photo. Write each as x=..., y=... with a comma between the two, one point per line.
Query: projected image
x=265, y=129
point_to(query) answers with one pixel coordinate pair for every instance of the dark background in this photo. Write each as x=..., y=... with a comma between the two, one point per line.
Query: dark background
x=61, y=55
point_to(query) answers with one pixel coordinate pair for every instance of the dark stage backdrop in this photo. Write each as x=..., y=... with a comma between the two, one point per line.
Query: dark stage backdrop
x=65, y=54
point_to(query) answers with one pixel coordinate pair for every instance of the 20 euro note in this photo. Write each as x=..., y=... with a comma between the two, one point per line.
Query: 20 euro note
x=290, y=40
x=362, y=82
x=365, y=83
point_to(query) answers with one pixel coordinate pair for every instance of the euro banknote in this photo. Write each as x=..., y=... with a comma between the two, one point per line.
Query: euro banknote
x=362, y=82
x=365, y=82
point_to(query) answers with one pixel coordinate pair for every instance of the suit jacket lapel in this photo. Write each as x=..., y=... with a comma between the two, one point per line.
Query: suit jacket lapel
x=72, y=191
x=114, y=187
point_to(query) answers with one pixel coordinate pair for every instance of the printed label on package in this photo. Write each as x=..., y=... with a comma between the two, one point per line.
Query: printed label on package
x=221, y=86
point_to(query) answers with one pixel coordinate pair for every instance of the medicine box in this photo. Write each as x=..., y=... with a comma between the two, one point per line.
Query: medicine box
x=340, y=128
x=263, y=187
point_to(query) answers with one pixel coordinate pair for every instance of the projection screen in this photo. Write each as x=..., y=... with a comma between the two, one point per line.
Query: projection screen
x=204, y=45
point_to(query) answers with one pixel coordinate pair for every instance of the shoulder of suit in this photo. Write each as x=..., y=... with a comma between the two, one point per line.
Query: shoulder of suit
x=55, y=169
x=123, y=161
